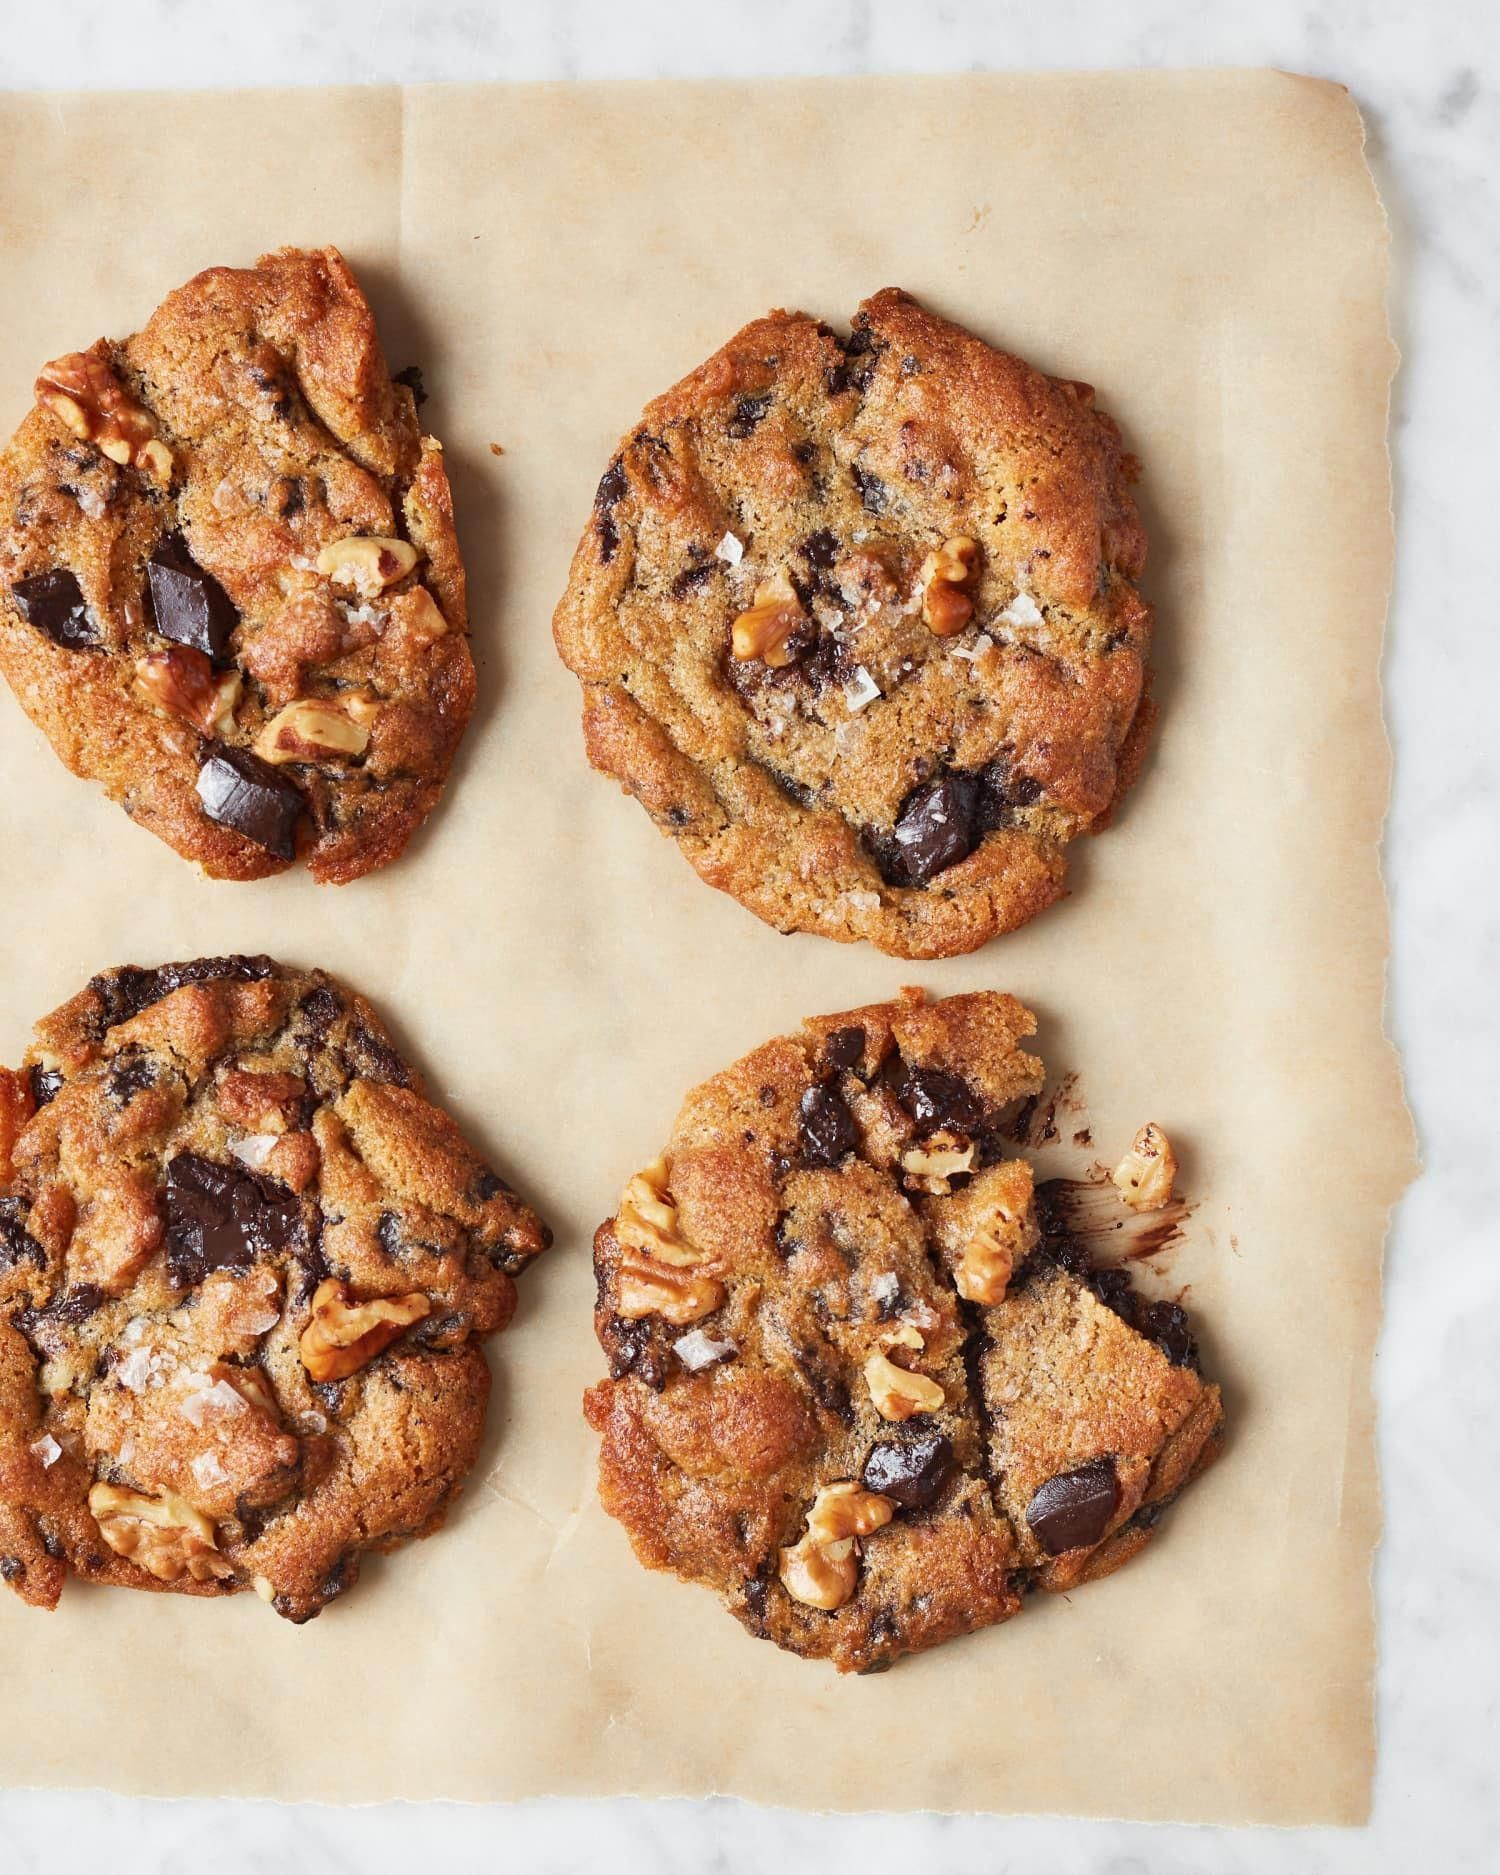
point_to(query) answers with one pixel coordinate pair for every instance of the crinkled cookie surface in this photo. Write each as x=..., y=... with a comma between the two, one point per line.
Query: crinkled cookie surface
x=857, y=623
x=861, y=1381
x=230, y=589
x=246, y=1267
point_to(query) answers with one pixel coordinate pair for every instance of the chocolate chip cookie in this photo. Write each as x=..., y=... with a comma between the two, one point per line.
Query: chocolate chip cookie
x=863, y=1381
x=229, y=585
x=856, y=622
x=245, y=1270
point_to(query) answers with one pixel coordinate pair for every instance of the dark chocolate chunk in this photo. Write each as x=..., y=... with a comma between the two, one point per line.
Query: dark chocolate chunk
x=130, y=1071
x=935, y=828
x=828, y=1130
x=694, y=574
x=16, y=1241
x=371, y=1059
x=793, y=790
x=827, y=1386
x=611, y=489
x=747, y=413
x=633, y=1348
x=490, y=1185
x=46, y=1084
x=319, y=1010
x=240, y=791
x=127, y=991
x=1073, y=1510
x=12, y=1569
x=188, y=605
x=54, y=603
x=820, y=550
x=1166, y=1326
x=844, y=1048
x=1001, y=791
x=755, y=1602
x=411, y=377
x=224, y=1217
x=63, y=1311
x=911, y=1471
x=872, y=491
x=388, y=1231
x=932, y=1096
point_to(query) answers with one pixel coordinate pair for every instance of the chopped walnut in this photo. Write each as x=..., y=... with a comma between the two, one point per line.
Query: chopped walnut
x=315, y=729
x=899, y=1393
x=367, y=563
x=660, y=1272
x=945, y=608
x=1144, y=1177
x=183, y=682
x=765, y=630
x=82, y=391
x=942, y=1157
x=822, y=1569
x=163, y=1535
x=343, y=1334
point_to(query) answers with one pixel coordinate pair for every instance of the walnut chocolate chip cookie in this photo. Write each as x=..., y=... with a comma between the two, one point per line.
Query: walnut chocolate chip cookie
x=245, y=1270
x=856, y=621
x=229, y=585
x=862, y=1381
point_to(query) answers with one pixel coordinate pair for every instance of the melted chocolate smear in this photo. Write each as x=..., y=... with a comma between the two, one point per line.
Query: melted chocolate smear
x=188, y=604
x=54, y=603
x=913, y=1472
x=240, y=791
x=16, y=1242
x=827, y=1130
x=126, y=992
x=611, y=490
x=1072, y=1511
x=224, y=1217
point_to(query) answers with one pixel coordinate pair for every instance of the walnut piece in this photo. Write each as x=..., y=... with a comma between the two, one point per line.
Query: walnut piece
x=945, y=608
x=897, y=1392
x=1144, y=1177
x=765, y=630
x=940, y=1158
x=84, y=394
x=660, y=1272
x=315, y=729
x=344, y=1334
x=991, y=1255
x=367, y=563
x=182, y=681
x=163, y=1535
x=822, y=1569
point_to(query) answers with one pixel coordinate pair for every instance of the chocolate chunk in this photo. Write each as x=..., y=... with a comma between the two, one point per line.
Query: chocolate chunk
x=844, y=1048
x=63, y=1311
x=371, y=1059
x=1073, y=1510
x=1166, y=1326
x=388, y=1232
x=188, y=605
x=54, y=603
x=872, y=491
x=911, y=1471
x=240, y=791
x=224, y=1217
x=828, y=1130
x=490, y=1185
x=130, y=1071
x=319, y=1010
x=935, y=828
x=793, y=790
x=821, y=549
x=12, y=1569
x=932, y=1096
x=411, y=377
x=46, y=1084
x=16, y=1241
x=747, y=413
x=127, y=991
x=611, y=489
x=827, y=1386
x=694, y=574
x=1001, y=791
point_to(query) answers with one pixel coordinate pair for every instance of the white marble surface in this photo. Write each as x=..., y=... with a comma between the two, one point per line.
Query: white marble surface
x=1428, y=78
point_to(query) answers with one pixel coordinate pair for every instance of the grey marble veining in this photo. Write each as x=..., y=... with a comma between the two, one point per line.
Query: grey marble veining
x=1428, y=79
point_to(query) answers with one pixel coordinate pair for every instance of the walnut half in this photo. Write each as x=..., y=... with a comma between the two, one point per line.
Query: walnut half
x=822, y=1569
x=660, y=1272
x=765, y=631
x=83, y=393
x=163, y=1535
x=343, y=1334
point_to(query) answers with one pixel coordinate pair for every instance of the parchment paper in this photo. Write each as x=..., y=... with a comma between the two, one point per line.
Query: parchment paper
x=1209, y=251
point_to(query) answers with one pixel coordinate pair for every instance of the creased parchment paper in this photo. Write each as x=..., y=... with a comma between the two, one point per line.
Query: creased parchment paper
x=1209, y=251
